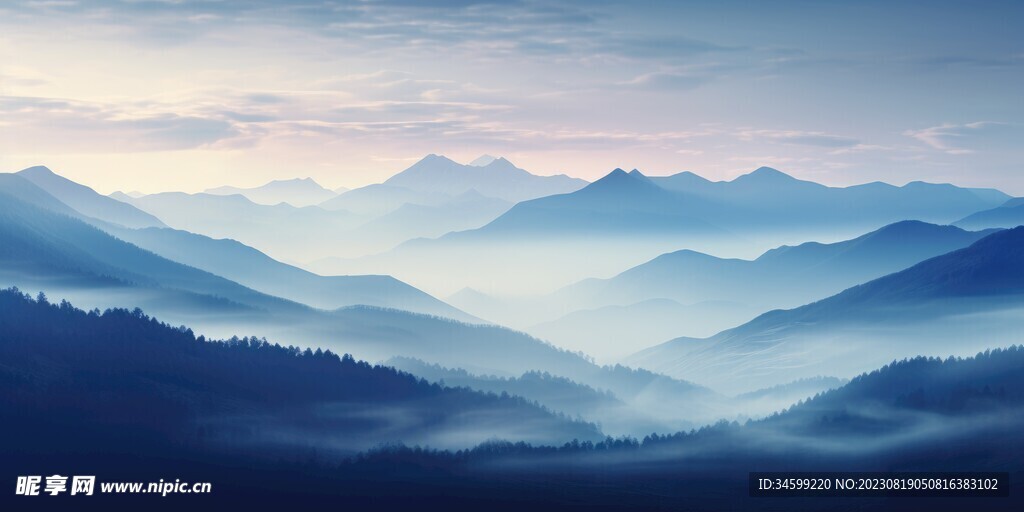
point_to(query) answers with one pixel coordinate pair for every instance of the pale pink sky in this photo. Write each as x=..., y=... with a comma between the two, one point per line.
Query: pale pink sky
x=186, y=95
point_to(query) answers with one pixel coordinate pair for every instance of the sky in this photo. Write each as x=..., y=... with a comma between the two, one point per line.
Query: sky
x=155, y=95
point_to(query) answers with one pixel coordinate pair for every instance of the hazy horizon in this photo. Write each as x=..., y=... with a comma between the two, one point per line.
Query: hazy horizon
x=257, y=184
x=188, y=95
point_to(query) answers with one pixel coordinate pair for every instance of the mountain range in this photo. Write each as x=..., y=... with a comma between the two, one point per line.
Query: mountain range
x=436, y=179
x=627, y=218
x=228, y=258
x=1008, y=215
x=698, y=294
x=956, y=303
x=87, y=201
x=274, y=414
x=498, y=178
x=763, y=199
x=220, y=285
x=298, y=220
x=61, y=253
x=67, y=257
x=462, y=407
x=284, y=231
x=687, y=293
x=247, y=266
x=45, y=249
x=53, y=248
x=296, y=192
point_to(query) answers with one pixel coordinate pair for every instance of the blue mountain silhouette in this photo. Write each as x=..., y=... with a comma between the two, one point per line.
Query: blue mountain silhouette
x=695, y=294
x=121, y=381
x=86, y=201
x=957, y=301
x=296, y=192
x=1008, y=215
x=499, y=179
x=436, y=179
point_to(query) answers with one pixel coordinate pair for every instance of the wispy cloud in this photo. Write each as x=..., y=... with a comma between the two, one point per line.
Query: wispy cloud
x=950, y=138
x=22, y=77
x=565, y=85
x=670, y=80
x=65, y=126
x=804, y=138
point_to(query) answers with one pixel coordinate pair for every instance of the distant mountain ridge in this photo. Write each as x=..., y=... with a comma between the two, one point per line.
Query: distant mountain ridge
x=224, y=258
x=60, y=253
x=626, y=218
x=251, y=267
x=694, y=294
x=943, y=303
x=296, y=192
x=42, y=247
x=813, y=268
x=87, y=201
x=619, y=201
x=775, y=187
x=436, y=179
x=498, y=178
x=45, y=250
x=763, y=198
x=1008, y=215
x=282, y=230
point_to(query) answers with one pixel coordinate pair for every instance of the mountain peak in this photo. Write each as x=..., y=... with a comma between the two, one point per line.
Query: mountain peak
x=432, y=157
x=429, y=164
x=500, y=179
x=691, y=176
x=501, y=163
x=620, y=178
x=87, y=201
x=483, y=161
x=908, y=231
x=907, y=226
x=37, y=170
x=297, y=192
x=765, y=174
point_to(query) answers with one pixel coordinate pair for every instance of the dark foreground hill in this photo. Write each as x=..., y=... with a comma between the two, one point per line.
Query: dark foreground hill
x=921, y=414
x=120, y=381
x=121, y=396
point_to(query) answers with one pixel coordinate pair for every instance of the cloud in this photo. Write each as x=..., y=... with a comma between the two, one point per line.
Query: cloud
x=860, y=148
x=64, y=125
x=951, y=138
x=20, y=81
x=229, y=119
x=49, y=4
x=22, y=77
x=658, y=46
x=492, y=29
x=798, y=137
x=977, y=62
x=669, y=80
x=688, y=76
